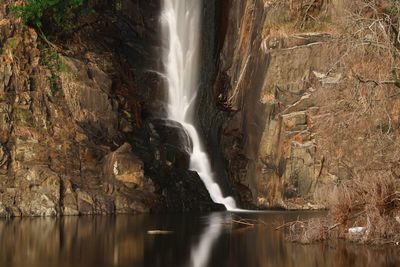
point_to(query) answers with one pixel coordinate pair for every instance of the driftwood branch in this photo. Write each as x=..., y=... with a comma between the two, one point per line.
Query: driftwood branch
x=247, y=222
x=290, y=224
x=243, y=222
x=302, y=223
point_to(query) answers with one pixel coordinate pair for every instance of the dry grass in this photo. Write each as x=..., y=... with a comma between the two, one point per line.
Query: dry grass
x=295, y=16
x=382, y=208
x=373, y=204
x=306, y=232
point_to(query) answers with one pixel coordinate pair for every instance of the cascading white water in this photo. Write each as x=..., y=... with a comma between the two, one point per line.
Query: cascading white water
x=181, y=29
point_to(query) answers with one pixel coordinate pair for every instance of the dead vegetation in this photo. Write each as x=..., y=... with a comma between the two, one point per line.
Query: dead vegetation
x=362, y=111
x=294, y=16
x=362, y=211
x=359, y=135
x=240, y=221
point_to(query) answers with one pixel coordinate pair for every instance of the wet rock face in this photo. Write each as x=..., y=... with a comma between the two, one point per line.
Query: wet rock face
x=175, y=141
x=210, y=115
x=165, y=149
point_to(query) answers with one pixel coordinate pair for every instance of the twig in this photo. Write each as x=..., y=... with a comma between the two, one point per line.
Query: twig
x=158, y=232
x=306, y=14
x=289, y=224
x=43, y=36
x=261, y=221
x=334, y=226
x=244, y=223
x=394, y=82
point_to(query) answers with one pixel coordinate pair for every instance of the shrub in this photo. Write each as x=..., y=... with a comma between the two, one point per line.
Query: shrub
x=54, y=62
x=59, y=12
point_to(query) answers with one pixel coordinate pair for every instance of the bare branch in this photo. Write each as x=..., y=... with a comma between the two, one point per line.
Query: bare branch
x=363, y=80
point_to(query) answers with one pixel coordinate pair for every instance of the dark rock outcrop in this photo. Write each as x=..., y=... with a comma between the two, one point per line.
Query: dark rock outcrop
x=165, y=150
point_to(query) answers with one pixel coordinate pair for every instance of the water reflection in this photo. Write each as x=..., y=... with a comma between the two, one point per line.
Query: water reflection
x=123, y=241
x=201, y=252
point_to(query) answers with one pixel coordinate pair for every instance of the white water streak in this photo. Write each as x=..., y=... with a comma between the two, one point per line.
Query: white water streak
x=181, y=28
x=200, y=254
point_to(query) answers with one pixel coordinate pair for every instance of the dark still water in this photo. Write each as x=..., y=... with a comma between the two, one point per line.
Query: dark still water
x=194, y=240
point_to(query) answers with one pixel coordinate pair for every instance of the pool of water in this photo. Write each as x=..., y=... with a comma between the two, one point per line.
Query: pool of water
x=192, y=240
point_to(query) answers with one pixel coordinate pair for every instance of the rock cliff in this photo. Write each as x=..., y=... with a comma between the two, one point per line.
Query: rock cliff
x=296, y=98
x=77, y=127
x=300, y=88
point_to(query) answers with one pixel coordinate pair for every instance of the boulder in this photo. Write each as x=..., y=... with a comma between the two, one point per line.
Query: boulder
x=175, y=142
x=168, y=166
x=124, y=166
x=124, y=204
x=38, y=192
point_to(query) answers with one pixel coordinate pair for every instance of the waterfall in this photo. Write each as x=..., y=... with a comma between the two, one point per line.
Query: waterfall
x=181, y=30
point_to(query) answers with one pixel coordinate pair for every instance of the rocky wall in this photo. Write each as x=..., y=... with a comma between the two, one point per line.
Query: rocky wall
x=264, y=87
x=80, y=137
